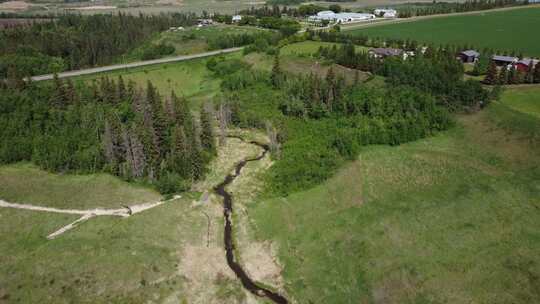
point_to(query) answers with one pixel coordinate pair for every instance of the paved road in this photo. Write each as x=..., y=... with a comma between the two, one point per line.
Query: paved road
x=133, y=65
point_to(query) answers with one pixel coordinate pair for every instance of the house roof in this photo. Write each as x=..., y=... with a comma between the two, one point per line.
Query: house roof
x=387, y=51
x=527, y=61
x=504, y=58
x=470, y=53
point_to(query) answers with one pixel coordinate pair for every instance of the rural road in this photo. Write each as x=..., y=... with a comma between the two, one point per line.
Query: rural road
x=133, y=64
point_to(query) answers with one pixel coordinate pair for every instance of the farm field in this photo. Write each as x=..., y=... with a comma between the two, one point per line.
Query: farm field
x=503, y=30
x=449, y=219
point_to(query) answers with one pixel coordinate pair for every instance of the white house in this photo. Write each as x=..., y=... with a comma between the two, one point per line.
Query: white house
x=236, y=18
x=340, y=17
x=386, y=12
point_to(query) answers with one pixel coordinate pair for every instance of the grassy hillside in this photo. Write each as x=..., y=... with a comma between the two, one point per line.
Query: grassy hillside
x=505, y=30
x=450, y=219
x=24, y=183
x=525, y=99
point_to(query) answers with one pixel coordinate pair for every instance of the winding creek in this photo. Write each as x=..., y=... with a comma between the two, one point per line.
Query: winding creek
x=247, y=282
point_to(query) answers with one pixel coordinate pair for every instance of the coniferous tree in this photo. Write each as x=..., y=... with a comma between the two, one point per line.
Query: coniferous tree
x=276, y=72
x=492, y=76
x=503, y=76
x=536, y=76
x=208, y=141
x=529, y=76
x=121, y=93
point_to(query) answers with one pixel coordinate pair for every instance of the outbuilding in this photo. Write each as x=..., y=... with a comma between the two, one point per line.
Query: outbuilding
x=341, y=18
x=385, y=52
x=504, y=60
x=469, y=56
x=236, y=18
x=523, y=64
x=385, y=12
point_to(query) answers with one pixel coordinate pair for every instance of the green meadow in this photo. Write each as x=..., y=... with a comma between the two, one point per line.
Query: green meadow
x=525, y=99
x=502, y=30
x=454, y=218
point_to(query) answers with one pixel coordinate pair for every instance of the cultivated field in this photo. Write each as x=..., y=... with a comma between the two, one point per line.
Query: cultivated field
x=450, y=219
x=504, y=30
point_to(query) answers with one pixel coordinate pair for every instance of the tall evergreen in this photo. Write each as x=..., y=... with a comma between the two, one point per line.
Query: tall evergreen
x=503, y=76
x=276, y=72
x=492, y=76
x=208, y=141
x=536, y=76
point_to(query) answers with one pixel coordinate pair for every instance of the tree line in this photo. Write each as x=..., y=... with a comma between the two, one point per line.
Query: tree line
x=421, y=9
x=109, y=126
x=512, y=75
x=73, y=41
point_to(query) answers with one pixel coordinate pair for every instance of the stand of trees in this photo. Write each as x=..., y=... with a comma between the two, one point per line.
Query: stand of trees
x=110, y=127
x=505, y=75
x=318, y=123
x=76, y=41
x=436, y=72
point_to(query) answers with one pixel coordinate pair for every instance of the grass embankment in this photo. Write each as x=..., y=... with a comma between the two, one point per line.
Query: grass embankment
x=500, y=30
x=25, y=183
x=450, y=219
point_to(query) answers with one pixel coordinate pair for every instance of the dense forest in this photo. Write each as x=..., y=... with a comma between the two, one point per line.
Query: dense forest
x=108, y=126
x=75, y=41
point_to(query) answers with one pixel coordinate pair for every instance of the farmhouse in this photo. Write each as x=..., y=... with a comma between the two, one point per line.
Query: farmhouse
x=330, y=16
x=385, y=12
x=523, y=64
x=236, y=18
x=504, y=60
x=469, y=56
x=385, y=52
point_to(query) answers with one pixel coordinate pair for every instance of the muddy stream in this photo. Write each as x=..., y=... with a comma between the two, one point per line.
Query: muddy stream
x=247, y=282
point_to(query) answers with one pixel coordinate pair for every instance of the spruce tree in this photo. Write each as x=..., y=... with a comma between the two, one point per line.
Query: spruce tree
x=179, y=154
x=121, y=90
x=207, y=128
x=276, y=72
x=503, y=76
x=529, y=77
x=492, y=74
x=536, y=76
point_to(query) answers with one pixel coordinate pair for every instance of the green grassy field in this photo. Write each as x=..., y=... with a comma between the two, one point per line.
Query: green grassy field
x=187, y=78
x=105, y=260
x=450, y=219
x=504, y=30
x=192, y=40
x=307, y=48
x=24, y=183
x=525, y=99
